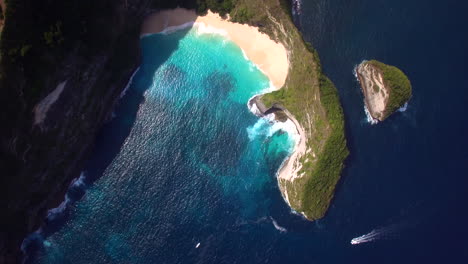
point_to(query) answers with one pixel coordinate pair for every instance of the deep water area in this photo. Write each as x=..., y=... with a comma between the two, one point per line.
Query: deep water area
x=185, y=173
x=194, y=164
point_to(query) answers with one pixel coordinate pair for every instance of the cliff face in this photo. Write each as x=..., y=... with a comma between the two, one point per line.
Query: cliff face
x=309, y=177
x=65, y=63
x=385, y=88
x=63, y=66
x=376, y=93
x=58, y=86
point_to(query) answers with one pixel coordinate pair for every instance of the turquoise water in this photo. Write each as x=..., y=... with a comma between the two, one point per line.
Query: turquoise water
x=182, y=165
x=196, y=166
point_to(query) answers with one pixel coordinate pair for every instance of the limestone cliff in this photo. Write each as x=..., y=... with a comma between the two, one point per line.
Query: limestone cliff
x=63, y=66
x=385, y=88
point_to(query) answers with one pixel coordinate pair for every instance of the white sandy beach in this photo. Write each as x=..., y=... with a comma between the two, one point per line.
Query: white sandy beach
x=271, y=57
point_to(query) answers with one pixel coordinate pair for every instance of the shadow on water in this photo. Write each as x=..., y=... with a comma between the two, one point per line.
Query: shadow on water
x=109, y=140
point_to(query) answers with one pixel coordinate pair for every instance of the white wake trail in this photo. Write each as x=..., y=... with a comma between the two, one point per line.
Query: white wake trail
x=380, y=233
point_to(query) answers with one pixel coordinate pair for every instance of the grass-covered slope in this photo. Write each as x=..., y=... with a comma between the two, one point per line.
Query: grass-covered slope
x=399, y=86
x=312, y=98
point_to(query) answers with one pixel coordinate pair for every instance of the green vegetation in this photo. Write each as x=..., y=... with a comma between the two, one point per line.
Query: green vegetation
x=313, y=100
x=400, y=86
x=223, y=7
x=242, y=15
x=54, y=36
x=320, y=186
x=43, y=34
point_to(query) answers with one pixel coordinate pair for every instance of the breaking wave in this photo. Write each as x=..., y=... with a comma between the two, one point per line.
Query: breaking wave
x=403, y=108
x=369, y=118
x=37, y=237
x=267, y=126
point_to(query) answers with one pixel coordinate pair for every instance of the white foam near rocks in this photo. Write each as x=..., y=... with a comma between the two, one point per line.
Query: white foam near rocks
x=369, y=118
x=403, y=108
x=122, y=94
x=203, y=28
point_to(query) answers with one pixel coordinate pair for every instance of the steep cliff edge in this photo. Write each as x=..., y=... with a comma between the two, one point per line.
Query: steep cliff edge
x=385, y=88
x=63, y=67
x=309, y=177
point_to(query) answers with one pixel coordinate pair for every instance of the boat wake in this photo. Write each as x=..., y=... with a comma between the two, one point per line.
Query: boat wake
x=278, y=227
x=376, y=234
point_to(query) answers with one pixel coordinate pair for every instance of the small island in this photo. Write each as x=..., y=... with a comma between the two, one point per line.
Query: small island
x=386, y=88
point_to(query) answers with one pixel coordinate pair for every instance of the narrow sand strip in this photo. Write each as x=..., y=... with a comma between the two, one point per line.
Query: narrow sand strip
x=292, y=166
x=269, y=56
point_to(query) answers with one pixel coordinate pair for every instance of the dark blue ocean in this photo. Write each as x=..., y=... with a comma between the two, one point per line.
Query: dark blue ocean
x=185, y=173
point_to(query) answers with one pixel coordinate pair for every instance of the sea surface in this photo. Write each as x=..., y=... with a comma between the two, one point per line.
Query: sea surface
x=185, y=173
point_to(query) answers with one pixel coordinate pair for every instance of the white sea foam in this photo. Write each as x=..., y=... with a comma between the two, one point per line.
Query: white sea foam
x=404, y=107
x=54, y=212
x=267, y=126
x=278, y=227
x=245, y=55
x=297, y=7
x=122, y=94
x=202, y=28
x=252, y=106
x=369, y=118
x=199, y=27
x=79, y=182
x=254, y=109
x=172, y=29
x=76, y=183
x=376, y=234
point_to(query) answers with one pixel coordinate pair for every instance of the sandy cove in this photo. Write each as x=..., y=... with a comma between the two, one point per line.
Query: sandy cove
x=269, y=56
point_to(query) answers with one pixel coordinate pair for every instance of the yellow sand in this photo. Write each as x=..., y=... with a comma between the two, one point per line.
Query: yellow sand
x=270, y=56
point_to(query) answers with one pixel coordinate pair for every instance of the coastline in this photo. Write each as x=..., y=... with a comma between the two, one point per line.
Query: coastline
x=375, y=99
x=369, y=118
x=291, y=165
x=274, y=64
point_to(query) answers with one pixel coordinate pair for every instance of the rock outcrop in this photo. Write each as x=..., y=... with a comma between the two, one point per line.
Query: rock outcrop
x=58, y=89
x=385, y=88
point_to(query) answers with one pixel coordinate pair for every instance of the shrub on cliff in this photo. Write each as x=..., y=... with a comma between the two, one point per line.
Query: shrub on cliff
x=400, y=86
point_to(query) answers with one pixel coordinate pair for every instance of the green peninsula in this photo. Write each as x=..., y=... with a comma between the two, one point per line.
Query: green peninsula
x=83, y=53
x=386, y=88
x=311, y=100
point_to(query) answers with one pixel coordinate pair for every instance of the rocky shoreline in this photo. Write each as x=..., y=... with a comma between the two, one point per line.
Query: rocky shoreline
x=376, y=93
x=385, y=88
x=40, y=160
x=289, y=170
